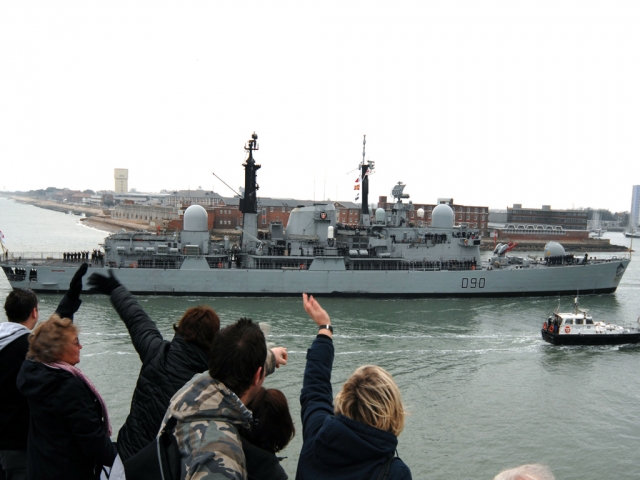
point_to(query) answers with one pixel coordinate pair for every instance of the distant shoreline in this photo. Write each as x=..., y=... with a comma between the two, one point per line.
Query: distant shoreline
x=96, y=218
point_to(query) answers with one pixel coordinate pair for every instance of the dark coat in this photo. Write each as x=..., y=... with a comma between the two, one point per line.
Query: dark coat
x=14, y=408
x=67, y=439
x=261, y=464
x=166, y=367
x=333, y=446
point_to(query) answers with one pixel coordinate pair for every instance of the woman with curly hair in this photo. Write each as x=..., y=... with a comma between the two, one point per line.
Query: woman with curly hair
x=69, y=431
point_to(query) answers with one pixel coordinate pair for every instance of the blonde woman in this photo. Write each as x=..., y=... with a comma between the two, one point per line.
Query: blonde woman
x=357, y=437
x=69, y=431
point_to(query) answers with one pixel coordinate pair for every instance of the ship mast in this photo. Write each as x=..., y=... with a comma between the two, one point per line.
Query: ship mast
x=365, y=169
x=249, y=202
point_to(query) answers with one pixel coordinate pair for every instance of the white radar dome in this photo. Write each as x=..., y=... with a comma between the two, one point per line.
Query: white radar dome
x=421, y=213
x=381, y=215
x=195, y=219
x=553, y=249
x=442, y=216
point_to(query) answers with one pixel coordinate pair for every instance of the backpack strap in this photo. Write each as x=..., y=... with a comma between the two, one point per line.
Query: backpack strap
x=386, y=468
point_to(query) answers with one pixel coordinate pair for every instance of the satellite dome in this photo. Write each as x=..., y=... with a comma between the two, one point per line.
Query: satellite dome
x=442, y=216
x=381, y=215
x=196, y=219
x=421, y=213
x=553, y=249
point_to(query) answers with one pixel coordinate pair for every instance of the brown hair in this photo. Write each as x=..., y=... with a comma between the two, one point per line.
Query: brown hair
x=199, y=325
x=371, y=396
x=19, y=304
x=48, y=339
x=274, y=428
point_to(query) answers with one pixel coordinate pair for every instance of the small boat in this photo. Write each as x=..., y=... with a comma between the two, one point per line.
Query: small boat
x=578, y=328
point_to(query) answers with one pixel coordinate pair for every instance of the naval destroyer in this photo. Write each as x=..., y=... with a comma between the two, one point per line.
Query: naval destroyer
x=386, y=255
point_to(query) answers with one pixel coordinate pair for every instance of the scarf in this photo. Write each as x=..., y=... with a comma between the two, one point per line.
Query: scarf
x=76, y=372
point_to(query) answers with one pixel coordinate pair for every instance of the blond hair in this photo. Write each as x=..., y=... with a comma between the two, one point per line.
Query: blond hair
x=48, y=339
x=371, y=396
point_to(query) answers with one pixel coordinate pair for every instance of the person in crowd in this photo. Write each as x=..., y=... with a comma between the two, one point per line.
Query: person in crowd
x=166, y=364
x=271, y=431
x=21, y=308
x=355, y=438
x=211, y=408
x=69, y=430
x=530, y=471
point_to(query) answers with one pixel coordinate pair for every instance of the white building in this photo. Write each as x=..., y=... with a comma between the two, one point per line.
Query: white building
x=121, y=177
x=634, y=216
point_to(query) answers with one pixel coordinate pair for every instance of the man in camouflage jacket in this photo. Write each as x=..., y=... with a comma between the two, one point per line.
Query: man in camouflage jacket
x=211, y=407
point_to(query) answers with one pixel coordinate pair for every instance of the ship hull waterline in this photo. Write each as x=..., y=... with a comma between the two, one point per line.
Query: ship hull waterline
x=591, y=339
x=567, y=280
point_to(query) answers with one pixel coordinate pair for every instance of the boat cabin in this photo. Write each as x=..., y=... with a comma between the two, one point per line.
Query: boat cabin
x=578, y=322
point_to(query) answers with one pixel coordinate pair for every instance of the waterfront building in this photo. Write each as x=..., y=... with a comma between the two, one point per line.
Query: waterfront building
x=634, y=216
x=121, y=178
x=186, y=198
x=145, y=214
x=567, y=219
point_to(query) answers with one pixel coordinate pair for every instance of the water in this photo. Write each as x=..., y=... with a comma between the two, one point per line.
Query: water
x=483, y=390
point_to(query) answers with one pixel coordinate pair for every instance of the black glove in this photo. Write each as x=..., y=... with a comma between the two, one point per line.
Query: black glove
x=70, y=303
x=103, y=284
x=75, y=287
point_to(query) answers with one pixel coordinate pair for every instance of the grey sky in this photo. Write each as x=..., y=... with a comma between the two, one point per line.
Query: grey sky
x=491, y=103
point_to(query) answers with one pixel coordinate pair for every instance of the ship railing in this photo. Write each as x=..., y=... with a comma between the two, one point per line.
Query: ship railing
x=15, y=258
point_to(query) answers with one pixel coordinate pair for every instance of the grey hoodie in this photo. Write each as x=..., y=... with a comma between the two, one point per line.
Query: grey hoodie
x=9, y=331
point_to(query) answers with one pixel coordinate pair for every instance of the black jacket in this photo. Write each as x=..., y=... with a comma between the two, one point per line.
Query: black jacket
x=166, y=367
x=333, y=446
x=261, y=464
x=67, y=439
x=14, y=408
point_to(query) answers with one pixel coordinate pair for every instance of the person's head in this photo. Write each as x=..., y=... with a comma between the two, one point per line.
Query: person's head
x=238, y=356
x=55, y=340
x=371, y=396
x=532, y=471
x=274, y=427
x=199, y=325
x=21, y=306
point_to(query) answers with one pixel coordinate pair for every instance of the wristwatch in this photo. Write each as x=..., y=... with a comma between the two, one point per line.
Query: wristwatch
x=325, y=327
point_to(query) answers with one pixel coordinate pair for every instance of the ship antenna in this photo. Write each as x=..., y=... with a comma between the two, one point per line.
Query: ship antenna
x=364, y=144
x=226, y=184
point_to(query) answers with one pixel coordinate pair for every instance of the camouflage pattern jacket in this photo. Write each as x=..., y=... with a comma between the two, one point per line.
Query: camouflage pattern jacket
x=209, y=416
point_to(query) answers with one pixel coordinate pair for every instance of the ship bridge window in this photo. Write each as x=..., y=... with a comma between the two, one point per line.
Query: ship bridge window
x=579, y=321
x=589, y=321
x=568, y=321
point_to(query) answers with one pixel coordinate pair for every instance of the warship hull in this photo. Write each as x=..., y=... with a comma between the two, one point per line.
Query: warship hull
x=325, y=278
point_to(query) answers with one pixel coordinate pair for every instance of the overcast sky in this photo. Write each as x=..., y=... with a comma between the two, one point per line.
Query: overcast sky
x=489, y=102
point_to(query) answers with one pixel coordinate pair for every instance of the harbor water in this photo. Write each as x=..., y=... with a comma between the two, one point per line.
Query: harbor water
x=483, y=390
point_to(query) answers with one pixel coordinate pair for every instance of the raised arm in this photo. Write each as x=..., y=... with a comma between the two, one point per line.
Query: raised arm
x=71, y=302
x=316, y=397
x=146, y=337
